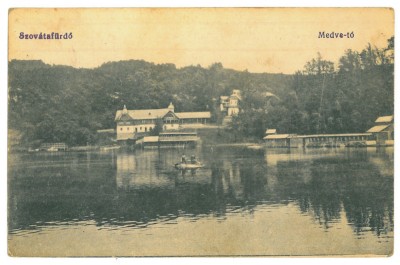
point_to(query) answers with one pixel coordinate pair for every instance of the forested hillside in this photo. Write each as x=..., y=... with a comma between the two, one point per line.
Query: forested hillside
x=324, y=98
x=52, y=103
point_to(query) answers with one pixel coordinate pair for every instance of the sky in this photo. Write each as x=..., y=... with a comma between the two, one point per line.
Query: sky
x=273, y=40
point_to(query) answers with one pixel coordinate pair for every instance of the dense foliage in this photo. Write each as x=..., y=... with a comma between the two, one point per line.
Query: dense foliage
x=64, y=104
x=325, y=99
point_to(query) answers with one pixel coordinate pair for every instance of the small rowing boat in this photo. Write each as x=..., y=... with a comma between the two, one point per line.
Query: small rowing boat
x=183, y=166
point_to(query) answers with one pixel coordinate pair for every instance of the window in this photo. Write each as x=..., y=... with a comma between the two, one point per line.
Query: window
x=121, y=129
x=127, y=128
x=145, y=129
x=135, y=129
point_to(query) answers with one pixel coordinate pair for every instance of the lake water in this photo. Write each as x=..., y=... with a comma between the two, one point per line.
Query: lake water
x=243, y=202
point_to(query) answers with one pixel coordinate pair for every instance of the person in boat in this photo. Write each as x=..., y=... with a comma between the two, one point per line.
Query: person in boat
x=193, y=159
x=183, y=160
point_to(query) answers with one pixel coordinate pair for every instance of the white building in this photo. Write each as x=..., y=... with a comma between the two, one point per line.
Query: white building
x=130, y=123
x=230, y=104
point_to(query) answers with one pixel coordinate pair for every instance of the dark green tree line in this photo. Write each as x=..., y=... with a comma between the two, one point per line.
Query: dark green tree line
x=325, y=99
x=64, y=104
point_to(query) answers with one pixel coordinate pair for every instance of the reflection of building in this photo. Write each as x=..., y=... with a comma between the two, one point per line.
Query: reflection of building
x=133, y=122
x=134, y=172
x=230, y=104
x=231, y=179
x=383, y=131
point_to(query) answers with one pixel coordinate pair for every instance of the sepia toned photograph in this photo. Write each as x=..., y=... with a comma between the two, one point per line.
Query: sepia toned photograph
x=200, y=132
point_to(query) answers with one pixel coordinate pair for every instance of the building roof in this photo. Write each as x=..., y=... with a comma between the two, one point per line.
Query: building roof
x=224, y=97
x=179, y=138
x=237, y=93
x=276, y=136
x=178, y=133
x=235, y=96
x=150, y=139
x=333, y=135
x=43, y=145
x=106, y=131
x=270, y=131
x=269, y=94
x=149, y=114
x=143, y=114
x=193, y=115
x=378, y=128
x=384, y=119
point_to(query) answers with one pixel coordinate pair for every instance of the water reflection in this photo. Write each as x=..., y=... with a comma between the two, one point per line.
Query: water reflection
x=139, y=189
x=358, y=181
x=140, y=171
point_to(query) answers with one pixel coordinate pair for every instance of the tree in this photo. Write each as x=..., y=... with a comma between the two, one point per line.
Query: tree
x=60, y=103
x=158, y=127
x=318, y=66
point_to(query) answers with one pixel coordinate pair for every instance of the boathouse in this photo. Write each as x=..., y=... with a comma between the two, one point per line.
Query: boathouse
x=334, y=140
x=383, y=131
x=148, y=142
x=132, y=123
x=277, y=140
x=317, y=140
x=51, y=147
x=169, y=139
x=382, y=134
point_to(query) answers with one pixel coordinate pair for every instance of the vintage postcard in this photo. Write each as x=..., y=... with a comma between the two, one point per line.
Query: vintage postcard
x=200, y=132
